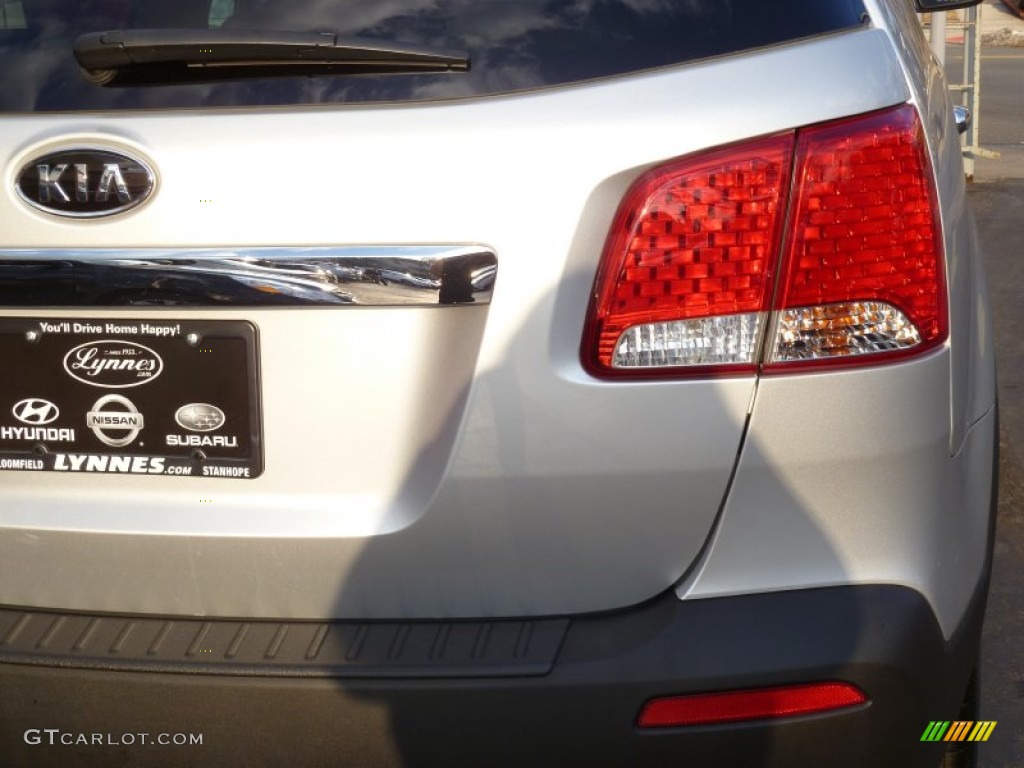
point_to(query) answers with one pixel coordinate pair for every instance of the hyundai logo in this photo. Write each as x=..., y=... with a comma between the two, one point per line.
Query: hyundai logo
x=34, y=410
x=85, y=183
x=200, y=417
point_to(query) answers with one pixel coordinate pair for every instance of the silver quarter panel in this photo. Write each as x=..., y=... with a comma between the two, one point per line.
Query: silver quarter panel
x=847, y=479
x=430, y=461
x=880, y=475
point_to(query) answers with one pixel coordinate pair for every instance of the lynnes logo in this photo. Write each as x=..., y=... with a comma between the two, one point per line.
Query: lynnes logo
x=34, y=410
x=113, y=364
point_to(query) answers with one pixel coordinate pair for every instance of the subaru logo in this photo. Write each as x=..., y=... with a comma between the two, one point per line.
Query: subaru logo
x=199, y=417
x=34, y=410
x=85, y=183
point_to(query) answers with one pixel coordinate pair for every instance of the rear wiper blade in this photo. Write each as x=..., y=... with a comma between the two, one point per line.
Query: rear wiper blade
x=143, y=56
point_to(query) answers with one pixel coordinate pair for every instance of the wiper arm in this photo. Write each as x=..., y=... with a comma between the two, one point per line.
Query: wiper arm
x=140, y=56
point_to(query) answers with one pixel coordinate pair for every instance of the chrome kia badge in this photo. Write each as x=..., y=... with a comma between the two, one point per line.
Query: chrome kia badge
x=113, y=364
x=200, y=417
x=85, y=183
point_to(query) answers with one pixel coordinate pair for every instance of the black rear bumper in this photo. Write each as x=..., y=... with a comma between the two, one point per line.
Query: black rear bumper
x=63, y=709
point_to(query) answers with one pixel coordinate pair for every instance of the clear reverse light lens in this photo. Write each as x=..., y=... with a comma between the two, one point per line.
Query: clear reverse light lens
x=840, y=330
x=725, y=340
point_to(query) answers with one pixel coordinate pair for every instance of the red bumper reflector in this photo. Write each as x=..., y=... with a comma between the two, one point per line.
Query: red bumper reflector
x=758, y=704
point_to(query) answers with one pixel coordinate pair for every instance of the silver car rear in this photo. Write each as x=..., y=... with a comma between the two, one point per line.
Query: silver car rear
x=413, y=264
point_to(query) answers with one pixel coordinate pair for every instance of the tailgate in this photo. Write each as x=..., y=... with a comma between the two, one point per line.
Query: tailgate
x=415, y=458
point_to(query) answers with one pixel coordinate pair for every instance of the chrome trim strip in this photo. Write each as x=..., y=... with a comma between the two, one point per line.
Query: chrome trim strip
x=248, y=277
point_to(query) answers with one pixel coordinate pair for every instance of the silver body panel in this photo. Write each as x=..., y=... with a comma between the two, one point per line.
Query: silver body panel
x=446, y=462
x=852, y=489
x=881, y=475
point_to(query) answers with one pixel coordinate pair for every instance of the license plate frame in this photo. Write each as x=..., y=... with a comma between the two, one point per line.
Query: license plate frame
x=135, y=396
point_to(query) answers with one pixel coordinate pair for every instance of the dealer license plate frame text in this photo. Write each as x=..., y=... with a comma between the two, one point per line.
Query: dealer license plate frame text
x=133, y=396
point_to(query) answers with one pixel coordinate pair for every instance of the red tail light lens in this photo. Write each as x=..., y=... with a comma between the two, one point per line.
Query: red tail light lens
x=758, y=704
x=693, y=241
x=864, y=271
x=688, y=276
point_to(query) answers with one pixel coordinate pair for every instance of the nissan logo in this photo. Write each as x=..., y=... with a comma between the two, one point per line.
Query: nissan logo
x=85, y=183
x=125, y=420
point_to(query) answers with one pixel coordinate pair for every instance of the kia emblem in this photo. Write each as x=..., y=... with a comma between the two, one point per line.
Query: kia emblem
x=85, y=183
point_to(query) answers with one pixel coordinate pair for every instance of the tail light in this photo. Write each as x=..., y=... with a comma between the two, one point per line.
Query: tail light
x=714, y=266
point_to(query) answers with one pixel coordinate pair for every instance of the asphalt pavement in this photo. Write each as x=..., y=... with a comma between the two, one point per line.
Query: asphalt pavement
x=999, y=209
x=997, y=197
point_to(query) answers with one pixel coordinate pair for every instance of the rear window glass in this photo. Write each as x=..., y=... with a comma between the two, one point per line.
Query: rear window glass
x=513, y=45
